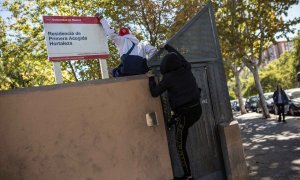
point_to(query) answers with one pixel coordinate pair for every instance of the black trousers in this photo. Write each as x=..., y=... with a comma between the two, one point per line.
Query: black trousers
x=281, y=111
x=186, y=118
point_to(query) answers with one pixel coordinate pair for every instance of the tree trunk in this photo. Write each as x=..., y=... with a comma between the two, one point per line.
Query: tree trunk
x=265, y=110
x=239, y=92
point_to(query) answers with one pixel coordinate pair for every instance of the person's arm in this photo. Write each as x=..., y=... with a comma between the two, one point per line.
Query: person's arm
x=275, y=97
x=155, y=89
x=186, y=64
x=285, y=97
x=150, y=50
x=109, y=31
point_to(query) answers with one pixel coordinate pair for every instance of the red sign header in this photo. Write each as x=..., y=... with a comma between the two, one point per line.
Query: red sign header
x=70, y=20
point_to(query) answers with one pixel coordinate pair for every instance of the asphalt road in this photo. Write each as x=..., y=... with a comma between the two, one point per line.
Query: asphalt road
x=272, y=149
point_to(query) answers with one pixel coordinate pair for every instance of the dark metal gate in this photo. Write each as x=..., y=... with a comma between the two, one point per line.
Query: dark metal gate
x=197, y=41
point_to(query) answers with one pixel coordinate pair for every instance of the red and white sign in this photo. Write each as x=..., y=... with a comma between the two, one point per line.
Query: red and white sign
x=74, y=38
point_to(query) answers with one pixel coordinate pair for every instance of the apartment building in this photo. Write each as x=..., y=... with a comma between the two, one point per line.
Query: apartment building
x=275, y=50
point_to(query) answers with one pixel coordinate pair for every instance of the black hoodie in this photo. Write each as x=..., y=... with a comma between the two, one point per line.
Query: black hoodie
x=177, y=80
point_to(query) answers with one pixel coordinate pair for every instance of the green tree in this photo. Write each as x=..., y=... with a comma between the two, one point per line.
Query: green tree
x=27, y=28
x=246, y=29
x=148, y=19
x=297, y=48
x=230, y=32
x=183, y=12
x=280, y=71
x=18, y=68
x=264, y=21
x=3, y=44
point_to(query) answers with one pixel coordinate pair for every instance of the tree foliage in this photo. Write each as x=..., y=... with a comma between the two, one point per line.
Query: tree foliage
x=151, y=21
x=297, y=51
x=280, y=71
x=245, y=28
x=21, y=63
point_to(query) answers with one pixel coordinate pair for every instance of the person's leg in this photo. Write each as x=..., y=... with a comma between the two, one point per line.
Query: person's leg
x=279, y=112
x=193, y=115
x=181, y=137
x=115, y=72
x=185, y=121
x=283, y=113
x=282, y=110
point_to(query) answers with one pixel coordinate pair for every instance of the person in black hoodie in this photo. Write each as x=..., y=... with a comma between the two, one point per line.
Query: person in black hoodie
x=184, y=98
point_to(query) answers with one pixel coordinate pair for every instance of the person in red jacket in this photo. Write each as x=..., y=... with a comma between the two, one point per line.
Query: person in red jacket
x=132, y=52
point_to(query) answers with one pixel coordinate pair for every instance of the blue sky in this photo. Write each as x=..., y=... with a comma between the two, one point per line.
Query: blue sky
x=294, y=12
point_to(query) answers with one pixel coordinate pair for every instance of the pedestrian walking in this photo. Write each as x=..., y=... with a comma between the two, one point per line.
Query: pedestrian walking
x=280, y=100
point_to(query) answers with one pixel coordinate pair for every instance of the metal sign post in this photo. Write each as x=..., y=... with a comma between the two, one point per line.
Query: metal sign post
x=57, y=73
x=103, y=67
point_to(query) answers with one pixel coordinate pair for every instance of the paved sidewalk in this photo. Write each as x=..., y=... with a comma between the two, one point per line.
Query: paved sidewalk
x=272, y=149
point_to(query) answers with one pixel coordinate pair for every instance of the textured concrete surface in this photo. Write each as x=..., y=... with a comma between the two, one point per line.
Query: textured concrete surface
x=233, y=152
x=83, y=131
x=272, y=149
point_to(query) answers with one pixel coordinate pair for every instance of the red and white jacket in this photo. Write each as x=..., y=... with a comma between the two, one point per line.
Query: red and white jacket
x=124, y=43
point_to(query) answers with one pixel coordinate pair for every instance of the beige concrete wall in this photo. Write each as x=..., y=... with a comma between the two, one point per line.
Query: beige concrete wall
x=233, y=151
x=83, y=131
